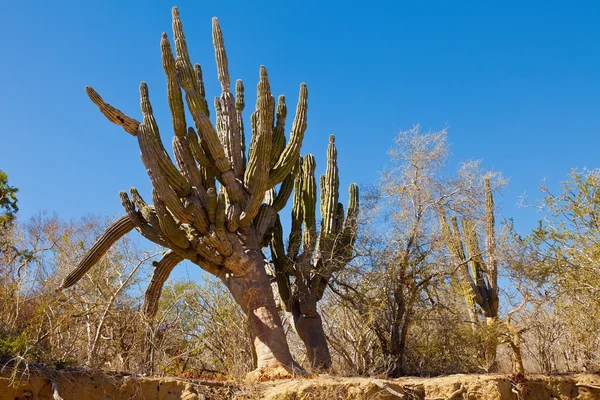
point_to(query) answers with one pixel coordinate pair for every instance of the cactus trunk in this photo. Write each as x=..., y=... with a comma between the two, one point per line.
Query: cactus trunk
x=254, y=294
x=310, y=330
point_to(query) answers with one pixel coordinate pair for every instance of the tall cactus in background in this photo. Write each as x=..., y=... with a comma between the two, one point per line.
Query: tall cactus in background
x=478, y=276
x=208, y=206
x=303, y=272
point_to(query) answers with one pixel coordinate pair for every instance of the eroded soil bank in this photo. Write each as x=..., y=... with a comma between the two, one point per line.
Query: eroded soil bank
x=78, y=385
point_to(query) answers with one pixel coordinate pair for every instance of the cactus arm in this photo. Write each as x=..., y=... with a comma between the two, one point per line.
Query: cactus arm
x=232, y=220
x=286, y=188
x=162, y=160
x=158, y=179
x=291, y=152
x=229, y=119
x=114, y=115
x=206, y=166
x=464, y=267
x=477, y=264
x=351, y=221
x=263, y=223
x=490, y=245
x=167, y=224
x=239, y=108
x=147, y=211
x=208, y=134
x=114, y=232
x=279, y=131
x=309, y=204
x=201, y=91
x=256, y=177
x=218, y=118
x=330, y=191
x=149, y=232
x=220, y=212
x=187, y=165
x=173, y=89
x=283, y=266
x=162, y=270
x=188, y=81
x=211, y=206
x=451, y=236
x=490, y=236
x=295, y=238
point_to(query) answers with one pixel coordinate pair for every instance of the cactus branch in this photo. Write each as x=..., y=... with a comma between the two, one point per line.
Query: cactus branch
x=291, y=152
x=112, y=114
x=162, y=270
x=115, y=231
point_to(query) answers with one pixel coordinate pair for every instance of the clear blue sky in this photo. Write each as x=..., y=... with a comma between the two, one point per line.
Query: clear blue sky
x=516, y=84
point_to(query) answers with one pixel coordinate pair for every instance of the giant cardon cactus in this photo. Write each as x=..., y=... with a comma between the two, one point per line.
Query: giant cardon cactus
x=477, y=268
x=303, y=272
x=208, y=207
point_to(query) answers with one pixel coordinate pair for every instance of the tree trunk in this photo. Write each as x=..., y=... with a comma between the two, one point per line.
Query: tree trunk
x=309, y=327
x=310, y=330
x=491, y=344
x=253, y=293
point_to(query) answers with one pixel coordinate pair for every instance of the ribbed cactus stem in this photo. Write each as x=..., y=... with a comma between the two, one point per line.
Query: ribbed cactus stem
x=353, y=205
x=309, y=203
x=229, y=117
x=239, y=108
x=112, y=114
x=330, y=190
x=490, y=235
x=162, y=270
x=220, y=55
x=286, y=188
x=149, y=232
x=187, y=80
x=147, y=211
x=279, y=131
x=187, y=165
x=173, y=89
x=115, y=231
x=200, y=88
x=295, y=238
x=163, y=163
x=168, y=225
x=220, y=212
x=197, y=151
x=257, y=171
x=159, y=180
x=291, y=152
x=218, y=117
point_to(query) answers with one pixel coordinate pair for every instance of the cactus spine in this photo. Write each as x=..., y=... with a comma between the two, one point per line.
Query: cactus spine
x=208, y=206
x=302, y=276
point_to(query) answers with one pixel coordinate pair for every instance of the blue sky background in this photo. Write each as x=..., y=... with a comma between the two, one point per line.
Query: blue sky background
x=516, y=84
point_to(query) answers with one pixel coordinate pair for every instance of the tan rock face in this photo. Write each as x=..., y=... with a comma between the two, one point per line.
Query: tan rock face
x=102, y=386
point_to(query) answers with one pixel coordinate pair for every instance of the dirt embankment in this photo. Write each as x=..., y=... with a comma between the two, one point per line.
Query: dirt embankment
x=77, y=385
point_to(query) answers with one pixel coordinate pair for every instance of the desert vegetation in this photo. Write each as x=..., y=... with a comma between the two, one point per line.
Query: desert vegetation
x=421, y=274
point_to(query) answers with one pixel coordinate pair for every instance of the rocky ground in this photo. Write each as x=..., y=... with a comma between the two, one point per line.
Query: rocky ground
x=82, y=385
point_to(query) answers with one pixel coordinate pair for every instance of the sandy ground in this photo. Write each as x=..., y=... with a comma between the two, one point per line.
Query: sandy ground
x=80, y=385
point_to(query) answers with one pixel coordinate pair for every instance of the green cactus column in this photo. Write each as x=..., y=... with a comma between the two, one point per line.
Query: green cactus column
x=208, y=206
x=477, y=269
x=302, y=276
